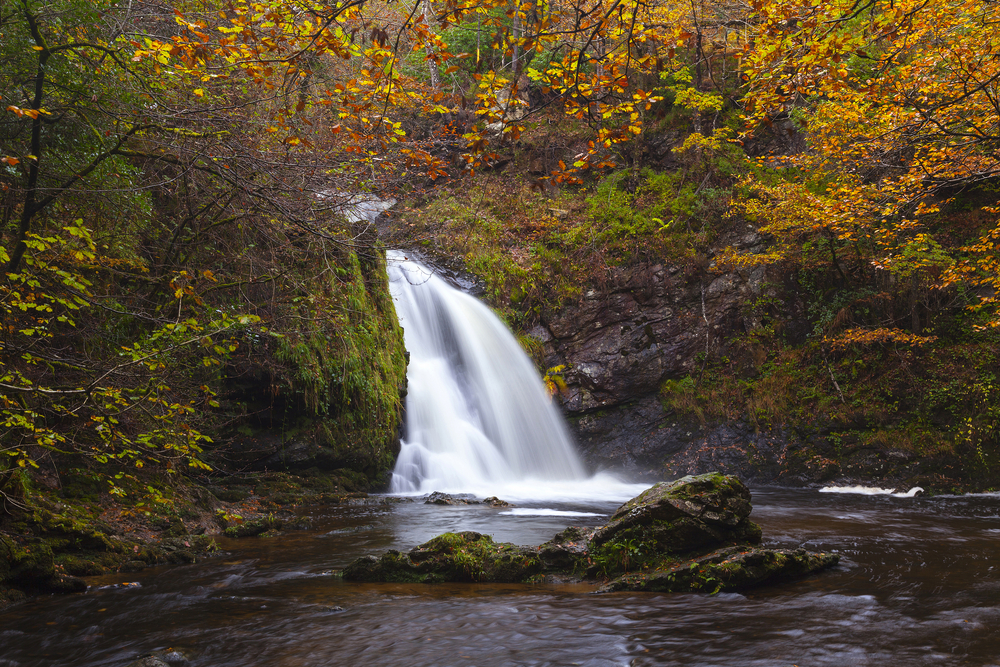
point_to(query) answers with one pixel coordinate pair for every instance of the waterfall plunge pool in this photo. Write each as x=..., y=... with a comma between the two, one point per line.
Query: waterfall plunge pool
x=918, y=584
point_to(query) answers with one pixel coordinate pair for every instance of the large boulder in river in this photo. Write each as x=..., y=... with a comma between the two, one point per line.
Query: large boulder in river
x=691, y=535
x=685, y=515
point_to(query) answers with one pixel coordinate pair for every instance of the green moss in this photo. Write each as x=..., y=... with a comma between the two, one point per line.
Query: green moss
x=81, y=565
x=348, y=367
x=467, y=556
x=254, y=527
x=533, y=253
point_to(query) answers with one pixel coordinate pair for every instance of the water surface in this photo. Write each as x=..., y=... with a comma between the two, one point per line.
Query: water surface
x=918, y=585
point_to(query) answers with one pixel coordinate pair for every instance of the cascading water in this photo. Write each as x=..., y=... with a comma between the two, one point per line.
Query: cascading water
x=478, y=418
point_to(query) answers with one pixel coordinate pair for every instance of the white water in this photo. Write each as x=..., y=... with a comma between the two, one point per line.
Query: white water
x=478, y=418
x=872, y=491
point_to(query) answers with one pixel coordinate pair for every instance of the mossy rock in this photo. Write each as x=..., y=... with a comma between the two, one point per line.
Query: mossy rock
x=466, y=556
x=729, y=569
x=30, y=565
x=692, y=535
x=67, y=532
x=254, y=527
x=687, y=514
x=9, y=596
x=80, y=565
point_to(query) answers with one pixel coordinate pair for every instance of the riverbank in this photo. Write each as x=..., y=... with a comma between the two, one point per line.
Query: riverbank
x=54, y=543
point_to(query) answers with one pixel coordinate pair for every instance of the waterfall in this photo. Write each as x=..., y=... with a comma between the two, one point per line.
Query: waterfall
x=478, y=417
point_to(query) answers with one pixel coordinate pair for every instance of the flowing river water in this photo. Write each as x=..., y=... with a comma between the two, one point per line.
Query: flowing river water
x=918, y=584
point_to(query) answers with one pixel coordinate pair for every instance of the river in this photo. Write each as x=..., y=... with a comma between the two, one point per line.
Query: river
x=918, y=584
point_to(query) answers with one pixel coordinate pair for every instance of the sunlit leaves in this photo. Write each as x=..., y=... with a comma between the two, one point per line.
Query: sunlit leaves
x=899, y=102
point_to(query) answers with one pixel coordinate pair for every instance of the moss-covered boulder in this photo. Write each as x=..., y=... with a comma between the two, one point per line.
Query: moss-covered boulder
x=466, y=556
x=691, y=535
x=727, y=569
x=686, y=514
x=31, y=567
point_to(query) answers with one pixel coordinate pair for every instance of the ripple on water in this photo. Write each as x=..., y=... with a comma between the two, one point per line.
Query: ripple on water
x=921, y=588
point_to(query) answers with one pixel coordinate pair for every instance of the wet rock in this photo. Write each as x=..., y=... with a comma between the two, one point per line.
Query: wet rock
x=691, y=535
x=149, y=661
x=31, y=568
x=10, y=596
x=493, y=501
x=31, y=564
x=64, y=583
x=80, y=566
x=173, y=658
x=438, y=498
x=646, y=441
x=131, y=566
x=727, y=569
x=254, y=527
x=466, y=556
x=301, y=523
x=161, y=659
x=351, y=529
x=686, y=514
x=567, y=550
x=124, y=584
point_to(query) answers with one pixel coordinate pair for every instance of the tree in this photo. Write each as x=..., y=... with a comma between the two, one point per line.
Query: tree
x=150, y=222
x=899, y=104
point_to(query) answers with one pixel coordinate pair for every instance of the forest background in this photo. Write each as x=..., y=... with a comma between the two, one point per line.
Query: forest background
x=189, y=287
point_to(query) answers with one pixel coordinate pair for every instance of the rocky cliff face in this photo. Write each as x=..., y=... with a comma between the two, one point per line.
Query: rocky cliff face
x=657, y=323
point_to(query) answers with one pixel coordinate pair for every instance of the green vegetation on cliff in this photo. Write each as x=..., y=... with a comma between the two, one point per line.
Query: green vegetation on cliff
x=185, y=300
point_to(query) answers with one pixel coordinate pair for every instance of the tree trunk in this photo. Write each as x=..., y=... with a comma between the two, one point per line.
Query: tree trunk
x=431, y=63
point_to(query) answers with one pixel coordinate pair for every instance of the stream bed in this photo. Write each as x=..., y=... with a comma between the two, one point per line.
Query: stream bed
x=918, y=584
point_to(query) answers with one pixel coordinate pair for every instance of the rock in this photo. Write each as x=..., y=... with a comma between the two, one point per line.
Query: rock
x=254, y=527
x=173, y=658
x=686, y=514
x=438, y=498
x=30, y=565
x=466, y=556
x=161, y=659
x=10, y=596
x=80, y=566
x=691, y=535
x=727, y=569
x=350, y=529
x=63, y=583
x=149, y=661
x=567, y=550
x=131, y=566
x=301, y=523
x=493, y=501
x=647, y=441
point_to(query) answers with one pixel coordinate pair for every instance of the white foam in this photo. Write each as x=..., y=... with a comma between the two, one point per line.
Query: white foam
x=600, y=488
x=872, y=491
x=478, y=418
x=528, y=511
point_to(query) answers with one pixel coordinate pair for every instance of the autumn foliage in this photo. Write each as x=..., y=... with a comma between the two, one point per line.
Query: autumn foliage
x=151, y=152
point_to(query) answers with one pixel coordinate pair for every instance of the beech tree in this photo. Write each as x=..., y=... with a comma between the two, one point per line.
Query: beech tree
x=898, y=101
